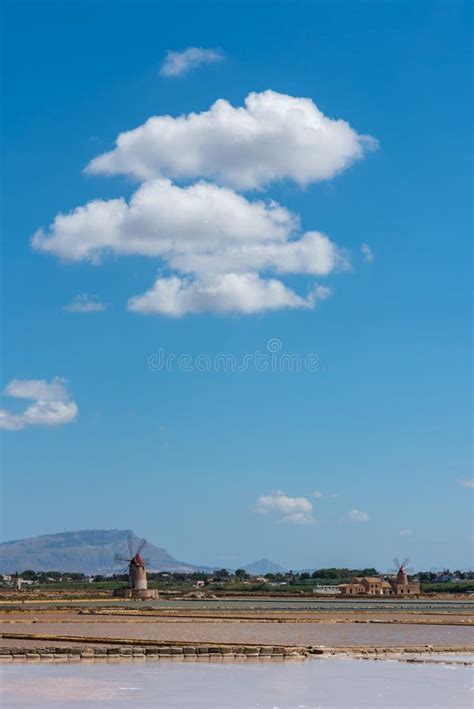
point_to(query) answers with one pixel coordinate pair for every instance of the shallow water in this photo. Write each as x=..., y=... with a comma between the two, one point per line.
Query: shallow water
x=327, y=634
x=269, y=604
x=309, y=684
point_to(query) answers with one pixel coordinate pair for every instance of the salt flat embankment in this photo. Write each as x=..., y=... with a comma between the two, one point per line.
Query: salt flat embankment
x=292, y=624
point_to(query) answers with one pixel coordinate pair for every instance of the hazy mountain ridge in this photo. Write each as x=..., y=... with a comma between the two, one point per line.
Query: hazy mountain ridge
x=89, y=551
x=262, y=567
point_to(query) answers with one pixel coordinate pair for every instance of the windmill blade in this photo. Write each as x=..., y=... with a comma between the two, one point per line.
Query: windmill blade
x=130, y=545
x=141, y=546
x=405, y=561
x=122, y=572
x=396, y=561
x=120, y=558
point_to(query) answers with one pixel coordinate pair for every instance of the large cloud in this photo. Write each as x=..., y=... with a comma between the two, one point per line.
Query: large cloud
x=163, y=219
x=196, y=229
x=52, y=404
x=219, y=239
x=273, y=137
x=221, y=251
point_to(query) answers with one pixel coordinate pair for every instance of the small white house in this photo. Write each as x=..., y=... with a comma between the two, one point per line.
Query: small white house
x=326, y=590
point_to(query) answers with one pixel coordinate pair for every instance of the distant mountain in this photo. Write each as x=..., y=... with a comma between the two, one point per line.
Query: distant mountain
x=262, y=567
x=89, y=551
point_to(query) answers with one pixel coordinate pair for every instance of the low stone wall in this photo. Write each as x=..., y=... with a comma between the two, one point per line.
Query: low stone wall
x=117, y=652
x=106, y=653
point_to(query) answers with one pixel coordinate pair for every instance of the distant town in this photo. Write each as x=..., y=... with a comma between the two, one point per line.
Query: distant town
x=326, y=581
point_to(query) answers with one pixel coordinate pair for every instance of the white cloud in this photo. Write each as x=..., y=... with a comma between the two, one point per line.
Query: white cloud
x=163, y=219
x=217, y=250
x=52, y=404
x=83, y=303
x=55, y=390
x=367, y=253
x=226, y=293
x=320, y=495
x=467, y=483
x=180, y=63
x=291, y=510
x=405, y=532
x=358, y=516
x=312, y=253
x=273, y=137
x=218, y=238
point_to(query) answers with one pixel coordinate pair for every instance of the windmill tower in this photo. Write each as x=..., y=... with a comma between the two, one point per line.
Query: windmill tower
x=136, y=567
x=401, y=584
x=400, y=568
x=402, y=576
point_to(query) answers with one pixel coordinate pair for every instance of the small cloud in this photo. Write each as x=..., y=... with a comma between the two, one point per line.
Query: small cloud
x=291, y=510
x=318, y=495
x=358, y=516
x=298, y=518
x=469, y=483
x=367, y=253
x=181, y=63
x=320, y=293
x=406, y=532
x=52, y=404
x=83, y=303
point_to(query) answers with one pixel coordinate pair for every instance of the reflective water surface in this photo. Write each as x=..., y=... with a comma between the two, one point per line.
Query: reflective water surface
x=309, y=684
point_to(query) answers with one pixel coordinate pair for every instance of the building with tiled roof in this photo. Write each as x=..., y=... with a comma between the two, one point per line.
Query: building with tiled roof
x=398, y=585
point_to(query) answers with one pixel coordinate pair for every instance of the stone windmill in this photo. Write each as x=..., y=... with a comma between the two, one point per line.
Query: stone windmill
x=401, y=583
x=136, y=566
x=400, y=567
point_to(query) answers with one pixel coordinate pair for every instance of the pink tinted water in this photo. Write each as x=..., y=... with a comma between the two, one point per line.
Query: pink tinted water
x=308, y=684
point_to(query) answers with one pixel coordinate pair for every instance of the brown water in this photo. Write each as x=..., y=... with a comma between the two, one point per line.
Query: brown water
x=329, y=634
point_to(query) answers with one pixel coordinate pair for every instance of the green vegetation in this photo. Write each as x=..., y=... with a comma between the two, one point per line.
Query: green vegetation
x=448, y=587
x=223, y=581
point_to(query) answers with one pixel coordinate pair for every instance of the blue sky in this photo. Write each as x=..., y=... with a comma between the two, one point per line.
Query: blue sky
x=215, y=465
